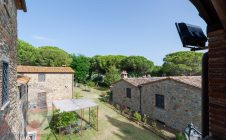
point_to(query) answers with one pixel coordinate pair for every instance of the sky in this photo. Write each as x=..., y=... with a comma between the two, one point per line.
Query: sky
x=103, y=27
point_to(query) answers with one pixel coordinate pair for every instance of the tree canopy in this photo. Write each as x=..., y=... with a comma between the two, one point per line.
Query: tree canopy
x=26, y=53
x=182, y=63
x=137, y=65
x=41, y=56
x=81, y=64
x=53, y=56
x=105, y=69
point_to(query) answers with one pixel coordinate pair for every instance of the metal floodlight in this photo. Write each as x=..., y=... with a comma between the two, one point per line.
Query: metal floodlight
x=192, y=36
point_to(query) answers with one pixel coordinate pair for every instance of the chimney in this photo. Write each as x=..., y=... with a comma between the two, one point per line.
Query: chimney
x=124, y=75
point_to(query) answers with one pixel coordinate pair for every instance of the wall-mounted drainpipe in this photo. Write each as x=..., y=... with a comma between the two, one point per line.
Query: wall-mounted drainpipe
x=140, y=90
x=205, y=98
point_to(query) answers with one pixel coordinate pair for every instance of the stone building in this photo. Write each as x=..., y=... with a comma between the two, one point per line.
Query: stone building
x=174, y=101
x=10, y=121
x=47, y=84
x=22, y=84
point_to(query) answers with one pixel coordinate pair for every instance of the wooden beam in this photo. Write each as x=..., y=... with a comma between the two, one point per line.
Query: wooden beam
x=21, y=5
x=202, y=11
x=220, y=7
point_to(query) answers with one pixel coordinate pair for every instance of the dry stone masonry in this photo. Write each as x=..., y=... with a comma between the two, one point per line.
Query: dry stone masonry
x=11, y=125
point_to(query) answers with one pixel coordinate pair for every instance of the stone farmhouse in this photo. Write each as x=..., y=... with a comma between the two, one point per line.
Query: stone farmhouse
x=11, y=125
x=174, y=101
x=47, y=84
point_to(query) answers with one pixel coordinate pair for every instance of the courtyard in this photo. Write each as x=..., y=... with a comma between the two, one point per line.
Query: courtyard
x=112, y=125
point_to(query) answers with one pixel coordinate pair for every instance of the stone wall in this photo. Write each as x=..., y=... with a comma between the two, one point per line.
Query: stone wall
x=9, y=120
x=182, y=103
x=119, y=95
x=57, y=86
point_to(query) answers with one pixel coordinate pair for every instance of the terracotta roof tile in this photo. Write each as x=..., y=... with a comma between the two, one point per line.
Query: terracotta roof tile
x=22, y=79
x=39, y=69
x=195, y=81
x=140, y=81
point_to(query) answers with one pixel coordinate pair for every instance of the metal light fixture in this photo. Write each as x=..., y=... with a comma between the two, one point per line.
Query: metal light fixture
x=191, y=36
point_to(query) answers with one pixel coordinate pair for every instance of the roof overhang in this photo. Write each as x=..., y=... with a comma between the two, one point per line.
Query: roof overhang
x=21, y=5
x=213, y=12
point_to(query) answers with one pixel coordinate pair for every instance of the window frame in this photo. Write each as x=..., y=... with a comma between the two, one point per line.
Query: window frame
x=128, y=93
x=160, y=98
x=21, y=91
x=40, y=78
x=5, y=83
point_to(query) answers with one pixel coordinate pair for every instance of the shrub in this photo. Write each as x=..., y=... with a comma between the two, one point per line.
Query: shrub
x=90, y=84
x=78, y=95
x=180, y=136
x=122, y=108
x=117, y=106
x=103, y=94
x=154, y=125
x=130, y=113
x=126, y=111
x=62, y=119
x=137, y=116
x=93, y=118
x=145, y=118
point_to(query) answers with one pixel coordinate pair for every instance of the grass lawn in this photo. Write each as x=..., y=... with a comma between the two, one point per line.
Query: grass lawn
x=112, y=126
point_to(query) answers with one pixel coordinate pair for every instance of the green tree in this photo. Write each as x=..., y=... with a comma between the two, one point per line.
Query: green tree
x=112, y=75
x=100, y=64
x=26, y=53
x=53, y=56
x=81, y=64
x=182, y=63
x=157, y=71
x=137, y=65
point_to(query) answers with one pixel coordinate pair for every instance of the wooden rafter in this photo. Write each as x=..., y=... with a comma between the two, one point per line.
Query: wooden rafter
x=202, y=11
x=220, y=7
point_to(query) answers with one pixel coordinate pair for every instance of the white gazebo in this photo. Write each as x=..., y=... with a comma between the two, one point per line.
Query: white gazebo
x=70, y=105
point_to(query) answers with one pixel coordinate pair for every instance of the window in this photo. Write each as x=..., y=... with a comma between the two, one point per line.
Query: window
x=159, y=100
x=5, y=82
x=128, y=92
x=21, y=91
x=41, y=77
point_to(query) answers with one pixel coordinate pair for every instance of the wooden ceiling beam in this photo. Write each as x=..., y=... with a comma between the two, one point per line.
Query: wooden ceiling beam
x=21, y=5
x=220, y=7
x=202, y=11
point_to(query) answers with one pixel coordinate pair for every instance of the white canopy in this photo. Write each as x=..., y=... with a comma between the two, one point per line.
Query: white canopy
x=69, y=105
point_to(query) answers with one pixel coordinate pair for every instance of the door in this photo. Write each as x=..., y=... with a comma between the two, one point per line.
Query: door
x=42, y=100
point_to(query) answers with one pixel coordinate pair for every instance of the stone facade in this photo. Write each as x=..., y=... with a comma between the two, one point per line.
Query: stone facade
x=22, y=105
x=56, y=86
x=119, y=95
x=10, y=121
x=182, y=102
